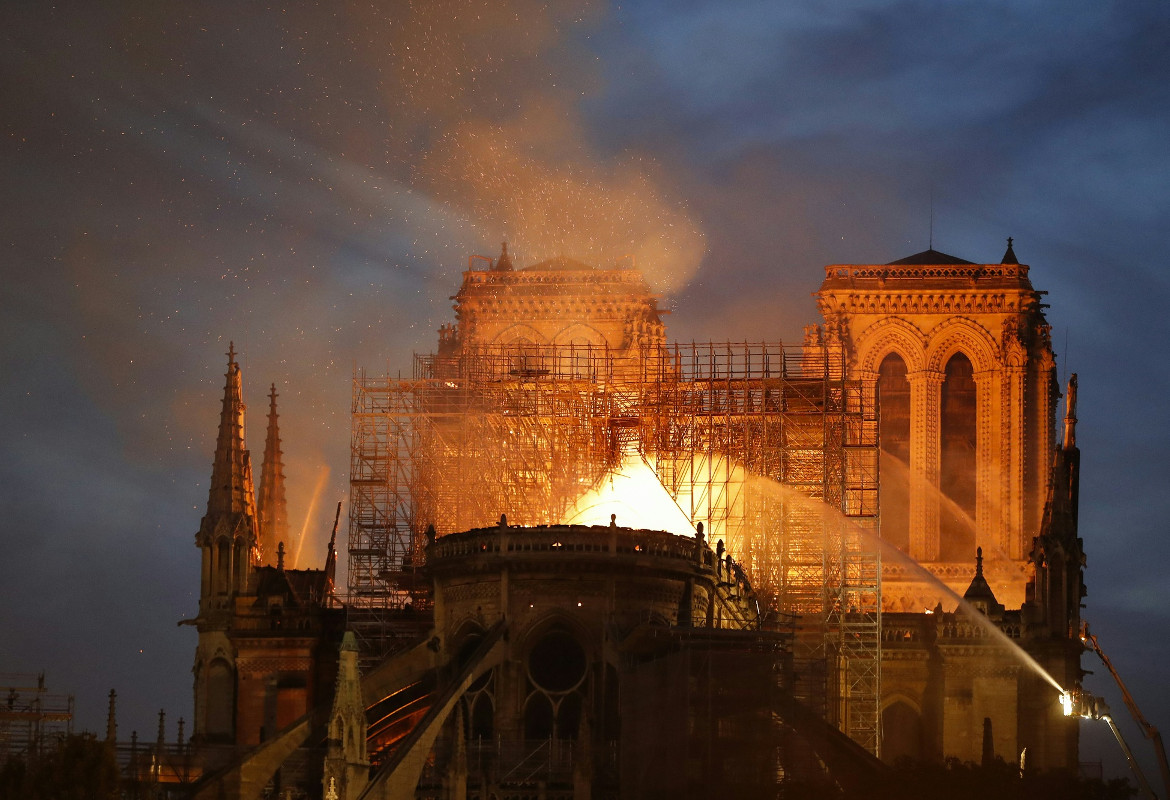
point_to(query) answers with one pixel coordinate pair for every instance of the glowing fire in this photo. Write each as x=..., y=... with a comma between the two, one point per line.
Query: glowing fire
x=637, y=498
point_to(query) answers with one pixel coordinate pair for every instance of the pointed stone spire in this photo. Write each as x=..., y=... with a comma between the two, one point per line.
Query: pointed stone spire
x=504, y=262
x=232, y=492
x=1058, y=555
x=979, y=593
x=347, y=762
x=331, y=556
x=272, y=505
x=1010, y=256
x=1070, y=413
x=227, y=533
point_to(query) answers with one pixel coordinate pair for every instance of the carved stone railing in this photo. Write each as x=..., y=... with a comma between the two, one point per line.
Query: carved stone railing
x=635, y=547
x=965, y=272
x=557, y=277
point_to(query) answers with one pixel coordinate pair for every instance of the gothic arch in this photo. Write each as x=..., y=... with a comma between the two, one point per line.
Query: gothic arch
x=468, y=634
x=900, y=697
x=961, y=335
x=220, y=653
x=902, y=729
x=891, y=335
x=470, y=625
x=555, y=618
x=559, y=668
x=519, y=332
x=220, y=699
x=577, y=333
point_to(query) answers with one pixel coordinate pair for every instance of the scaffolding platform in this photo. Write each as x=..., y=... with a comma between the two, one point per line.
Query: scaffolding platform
x=30, y=716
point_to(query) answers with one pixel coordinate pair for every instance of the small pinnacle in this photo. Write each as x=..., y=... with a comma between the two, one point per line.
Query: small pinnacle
x=1009, y=256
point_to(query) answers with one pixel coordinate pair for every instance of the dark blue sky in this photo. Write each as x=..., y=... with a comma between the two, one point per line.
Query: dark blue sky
x=310, y=183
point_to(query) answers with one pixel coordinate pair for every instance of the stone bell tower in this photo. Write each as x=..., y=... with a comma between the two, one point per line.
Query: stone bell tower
x=227, y=538
x=961, y=359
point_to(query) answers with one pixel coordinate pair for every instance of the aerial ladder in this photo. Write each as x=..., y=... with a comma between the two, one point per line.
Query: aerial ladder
x=1150, y=732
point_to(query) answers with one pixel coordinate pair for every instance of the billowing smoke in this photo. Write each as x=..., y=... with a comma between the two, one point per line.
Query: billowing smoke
x=486, y=99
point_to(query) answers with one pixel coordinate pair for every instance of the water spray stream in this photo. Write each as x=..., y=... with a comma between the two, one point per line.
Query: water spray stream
x=322, y=477
x=830, y=514
x=635, y=493
x=902, y=473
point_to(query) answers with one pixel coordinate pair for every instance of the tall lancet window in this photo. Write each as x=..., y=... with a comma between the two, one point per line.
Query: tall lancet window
x=957, y=462
x=894, y=435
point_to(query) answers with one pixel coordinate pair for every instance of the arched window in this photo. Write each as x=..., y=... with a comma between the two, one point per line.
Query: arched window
x=223, y=571
x=538, y=717
x=482, y=718
x=957, y=462
x=524, y=359
x=220, y=699
x=557, y=683
x=893, y=391
x=901, y=732
x=240, y=566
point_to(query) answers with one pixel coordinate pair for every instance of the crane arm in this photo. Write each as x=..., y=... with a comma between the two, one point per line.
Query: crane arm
x=1148, y=730
x=1133, y=764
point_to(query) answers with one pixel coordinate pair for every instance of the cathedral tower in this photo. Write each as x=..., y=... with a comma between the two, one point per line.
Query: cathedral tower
x=961, y=358
x=227, y=539
x=1052, y=615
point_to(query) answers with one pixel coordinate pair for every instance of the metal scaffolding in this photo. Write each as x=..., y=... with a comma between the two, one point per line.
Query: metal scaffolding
x=772, y=448
x=30, y=717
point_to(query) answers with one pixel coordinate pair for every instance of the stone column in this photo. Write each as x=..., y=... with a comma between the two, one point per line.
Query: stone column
x=1043, y=420
x=987, y=423
x=925, y=408
x=1013, y=426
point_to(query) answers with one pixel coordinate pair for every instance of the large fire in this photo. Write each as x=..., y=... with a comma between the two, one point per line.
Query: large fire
x=635, y=496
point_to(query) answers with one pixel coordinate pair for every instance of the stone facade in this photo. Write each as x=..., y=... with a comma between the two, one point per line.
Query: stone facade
x=961, y=359
x=626, y=654
x=560, y=302
x=920, y=317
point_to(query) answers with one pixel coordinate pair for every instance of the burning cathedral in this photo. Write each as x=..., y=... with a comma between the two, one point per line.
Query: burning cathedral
x=585, y=561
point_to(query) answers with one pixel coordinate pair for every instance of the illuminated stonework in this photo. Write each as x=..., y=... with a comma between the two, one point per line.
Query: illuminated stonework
x=556, y=302
x=970, y=346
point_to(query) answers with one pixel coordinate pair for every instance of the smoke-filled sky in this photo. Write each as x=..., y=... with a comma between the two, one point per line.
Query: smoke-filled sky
x=310, y=180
